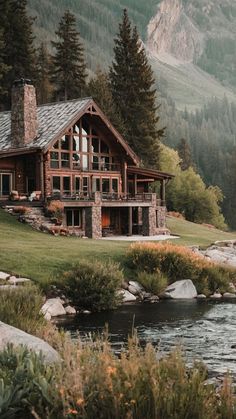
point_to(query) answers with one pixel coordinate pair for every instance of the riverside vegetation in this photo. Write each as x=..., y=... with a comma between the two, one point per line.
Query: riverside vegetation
x=90, y=381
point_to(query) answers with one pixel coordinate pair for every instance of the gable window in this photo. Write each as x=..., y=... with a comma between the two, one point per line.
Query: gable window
x=65, y=160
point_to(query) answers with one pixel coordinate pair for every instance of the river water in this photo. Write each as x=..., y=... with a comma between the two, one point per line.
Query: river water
x=206, y=330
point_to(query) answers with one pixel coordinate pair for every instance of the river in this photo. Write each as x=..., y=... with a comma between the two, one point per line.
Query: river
x=205, y=329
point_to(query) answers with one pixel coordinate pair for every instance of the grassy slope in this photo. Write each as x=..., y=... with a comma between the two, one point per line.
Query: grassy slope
x=41, y=256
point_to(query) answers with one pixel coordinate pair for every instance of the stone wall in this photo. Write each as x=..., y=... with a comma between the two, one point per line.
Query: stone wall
x=149, y=221
x=93, y=222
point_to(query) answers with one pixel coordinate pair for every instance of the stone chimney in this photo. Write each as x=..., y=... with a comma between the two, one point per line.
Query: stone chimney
x=24, y=124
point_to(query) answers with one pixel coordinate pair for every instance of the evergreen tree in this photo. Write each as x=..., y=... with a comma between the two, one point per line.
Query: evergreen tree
x=134, y=93
x=43, y=84
x=68, y=64
x=3, y=67
x=99, y=88
x=19, y=43
x=185, y=154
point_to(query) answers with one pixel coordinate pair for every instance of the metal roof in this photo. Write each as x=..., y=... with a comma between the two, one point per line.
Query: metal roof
x=52, y=118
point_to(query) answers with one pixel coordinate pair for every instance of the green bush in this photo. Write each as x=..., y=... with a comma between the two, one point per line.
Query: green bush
x=92, y=286
x=27, y=386
x=20, y=307
x=179, y=262
x=155, y=282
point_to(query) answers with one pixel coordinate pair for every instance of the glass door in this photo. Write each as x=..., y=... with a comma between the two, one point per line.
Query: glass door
x=5, y=184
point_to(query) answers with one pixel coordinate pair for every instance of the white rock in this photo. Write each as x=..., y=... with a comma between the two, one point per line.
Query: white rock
x=4, y=275
x=15, y=281
x=54, y=307
x=216, y=296
x=70, y=310
x=126, y=296
x=86, y=312
x=135, y=288
x=16, y=337
x=229, y=295
x=201, y=296
x=183, y=289
x=47, y=316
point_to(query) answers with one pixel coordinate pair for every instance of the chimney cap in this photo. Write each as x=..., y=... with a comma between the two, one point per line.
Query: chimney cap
x=22, y=82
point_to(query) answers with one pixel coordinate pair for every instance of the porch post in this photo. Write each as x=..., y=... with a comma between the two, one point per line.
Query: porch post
x=163, y=192
x=130, y=232
x=135, y=185
x=42, y=175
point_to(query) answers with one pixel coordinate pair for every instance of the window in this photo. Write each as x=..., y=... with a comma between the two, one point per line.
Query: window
x=65, y=160
x=77, y=184
x=95, y=163
x=76, y=144
x=114, y=185
x=66, y=185
x=95, y=145
x=104, y=147
x=54, y=157
x=56, y=184
x=85, y=161
x=96, y=184
x=85, y=185
x=73, y=217
x=5, y=184
x=105, y=185
x=65, y=142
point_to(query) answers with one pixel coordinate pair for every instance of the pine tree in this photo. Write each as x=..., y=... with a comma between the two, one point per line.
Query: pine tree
x=19, y=43
x=43, y=84
x=68, y=64
x=134, y=94
x=3, y=67
x=185, y=154
x=99, y=88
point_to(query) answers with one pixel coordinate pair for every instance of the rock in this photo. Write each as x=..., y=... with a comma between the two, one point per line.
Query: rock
x=54, y=307
x=86, y=312
x=135, y=288
x=229, y=295
x=126, y=296
x=124, y=285
x=47, y=316
x=70, y=310
x=216, y=296
x=183, y=289
x=201, y=296
x=153, y=299
x=232, y=287
x=15, y=281
x=4, y=276
x=16, y=337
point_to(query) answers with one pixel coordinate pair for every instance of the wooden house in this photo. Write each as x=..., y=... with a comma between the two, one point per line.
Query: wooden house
x=69, y=151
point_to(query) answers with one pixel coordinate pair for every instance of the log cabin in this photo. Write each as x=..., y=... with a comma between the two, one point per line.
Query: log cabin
x=69, y=151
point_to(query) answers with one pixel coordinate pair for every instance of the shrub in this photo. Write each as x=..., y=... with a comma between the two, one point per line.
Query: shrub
x=27, y=386
x=179, y=262
x=93, y=286
x=55, y=209
x=20, y=307
x=153, y=282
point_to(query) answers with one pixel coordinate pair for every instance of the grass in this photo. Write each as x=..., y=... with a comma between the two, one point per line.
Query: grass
x=41, y=256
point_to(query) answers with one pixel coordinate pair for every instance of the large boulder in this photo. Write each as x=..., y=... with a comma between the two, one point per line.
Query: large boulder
x=16, y=337
x=127, y=297
x=54, y=307
x=4, y=275
x=183, y=289
x=135, y=288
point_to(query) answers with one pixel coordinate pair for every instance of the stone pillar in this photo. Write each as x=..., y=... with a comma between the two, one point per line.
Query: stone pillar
x=149, y=221
x=93, y=222
x=161, y=217
x=130, y=222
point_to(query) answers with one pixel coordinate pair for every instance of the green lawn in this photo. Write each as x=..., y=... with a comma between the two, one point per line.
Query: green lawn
x=40, y=256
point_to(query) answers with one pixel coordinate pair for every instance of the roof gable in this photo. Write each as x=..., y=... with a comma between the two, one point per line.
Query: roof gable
x=53, y=120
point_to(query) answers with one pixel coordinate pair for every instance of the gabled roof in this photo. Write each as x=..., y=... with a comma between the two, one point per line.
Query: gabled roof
x=53, y=120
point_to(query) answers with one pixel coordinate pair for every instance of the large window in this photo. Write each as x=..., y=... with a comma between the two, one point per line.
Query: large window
x=5, y=184
x=82, y=148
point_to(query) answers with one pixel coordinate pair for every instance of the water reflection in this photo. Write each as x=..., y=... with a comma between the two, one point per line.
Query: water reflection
x=206, y=330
